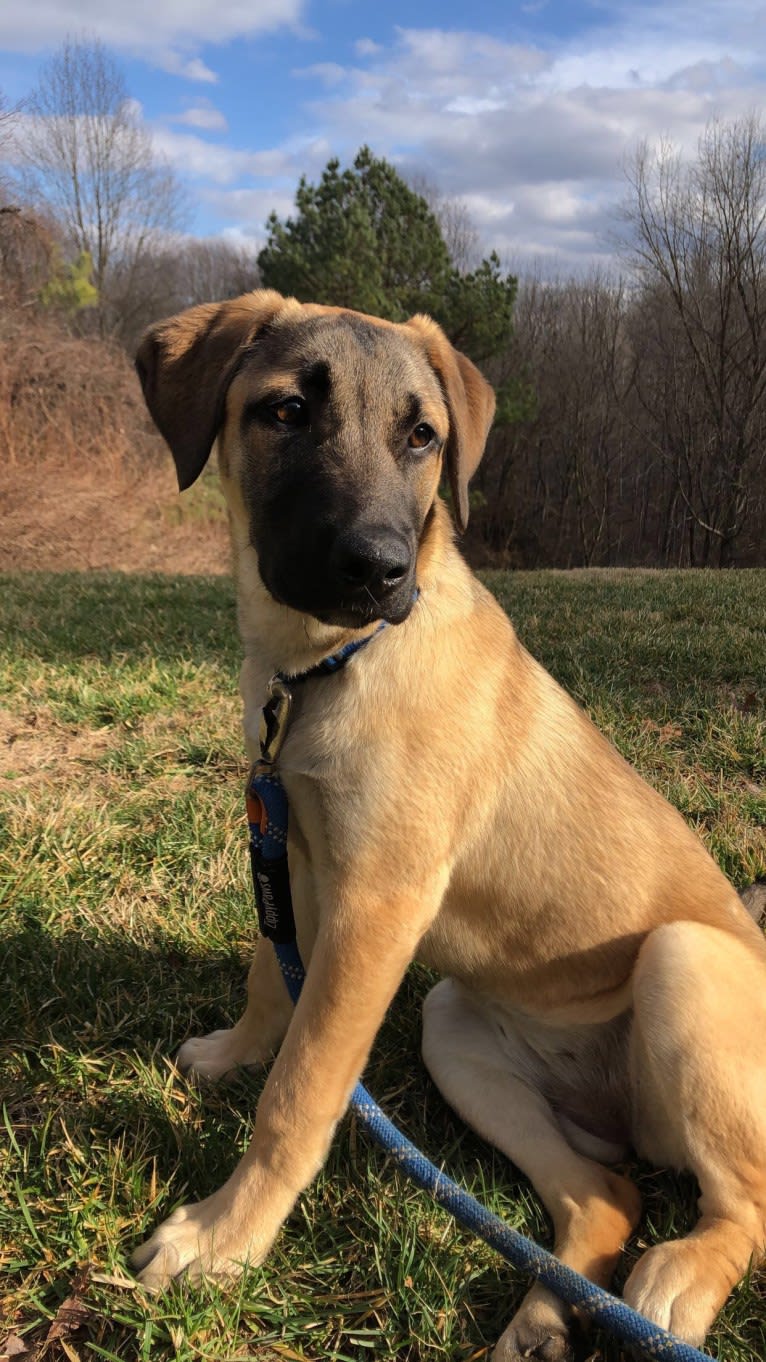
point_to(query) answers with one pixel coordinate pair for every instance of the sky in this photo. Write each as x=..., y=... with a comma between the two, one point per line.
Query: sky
x=527, y=112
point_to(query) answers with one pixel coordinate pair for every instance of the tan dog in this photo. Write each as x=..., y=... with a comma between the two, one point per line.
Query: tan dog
x=448, y=802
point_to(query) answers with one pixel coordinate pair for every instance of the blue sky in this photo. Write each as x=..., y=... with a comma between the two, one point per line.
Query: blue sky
x=525, y=111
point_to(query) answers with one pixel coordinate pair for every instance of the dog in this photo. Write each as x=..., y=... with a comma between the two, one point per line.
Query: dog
x=602, y=985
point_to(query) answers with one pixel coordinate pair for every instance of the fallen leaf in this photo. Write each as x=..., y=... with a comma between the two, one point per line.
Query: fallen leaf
x=13, y=1347
x=73, y=1312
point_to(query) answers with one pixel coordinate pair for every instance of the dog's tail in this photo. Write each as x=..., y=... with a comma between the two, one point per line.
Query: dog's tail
x=754, y=899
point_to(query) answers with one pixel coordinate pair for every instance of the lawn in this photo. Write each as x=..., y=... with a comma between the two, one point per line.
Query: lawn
x=126, y=925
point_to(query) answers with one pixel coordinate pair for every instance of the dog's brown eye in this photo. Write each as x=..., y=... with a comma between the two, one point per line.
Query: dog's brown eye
x=292, y=412
x=421, y=437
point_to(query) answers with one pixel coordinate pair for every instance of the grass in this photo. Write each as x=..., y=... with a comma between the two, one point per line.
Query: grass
x=127, y=925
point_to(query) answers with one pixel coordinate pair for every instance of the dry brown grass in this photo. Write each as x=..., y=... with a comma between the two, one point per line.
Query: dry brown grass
x=64, y=396
x=35, y=745
x=85, y=480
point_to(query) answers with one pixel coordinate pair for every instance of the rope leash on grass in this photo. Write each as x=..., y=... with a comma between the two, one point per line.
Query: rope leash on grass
x=267, y=812
x=606, y=1310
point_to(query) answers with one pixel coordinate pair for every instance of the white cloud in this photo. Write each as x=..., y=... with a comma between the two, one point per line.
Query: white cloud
x=202, y=115
x=238, y=237
x=473, y=104
x=532, y=136
x=190, y=68
x=217, y=163
x=243, y=187
x=166, y=32
x=329, y=73
x=248, y=210
x=535, y=140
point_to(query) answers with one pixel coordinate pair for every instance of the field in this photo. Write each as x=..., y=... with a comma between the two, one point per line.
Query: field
x=126, y=925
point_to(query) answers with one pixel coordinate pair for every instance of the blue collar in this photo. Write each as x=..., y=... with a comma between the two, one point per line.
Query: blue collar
x=275, y=714
x=335, y=661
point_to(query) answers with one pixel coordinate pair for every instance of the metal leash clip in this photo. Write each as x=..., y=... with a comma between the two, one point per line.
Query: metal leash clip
x=275, y=716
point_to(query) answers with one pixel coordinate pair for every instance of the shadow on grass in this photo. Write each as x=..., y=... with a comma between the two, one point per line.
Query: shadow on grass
x=84, y=1029
x=63, y=617
x=75, y=1006
x=85, y=1026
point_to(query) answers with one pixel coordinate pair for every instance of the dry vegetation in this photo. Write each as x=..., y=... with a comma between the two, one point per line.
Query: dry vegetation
x=85, y=480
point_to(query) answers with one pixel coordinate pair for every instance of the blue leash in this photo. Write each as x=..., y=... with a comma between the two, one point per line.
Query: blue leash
x=267, y=816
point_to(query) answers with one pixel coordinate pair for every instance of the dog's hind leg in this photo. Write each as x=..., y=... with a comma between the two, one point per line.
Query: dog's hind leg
x=698, y=1061
x=257, y=1035
x=593, y=1209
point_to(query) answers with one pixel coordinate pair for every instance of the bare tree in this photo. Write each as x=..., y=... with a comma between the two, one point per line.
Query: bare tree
x=639, y=429
x=27, y=245
x=214, y=268
x=178, y=274
x=7, y=116
x=454, y=218
x=26, y=242
x=89, y=160
x=8, y=119
x=698, y=248
x=556, y=472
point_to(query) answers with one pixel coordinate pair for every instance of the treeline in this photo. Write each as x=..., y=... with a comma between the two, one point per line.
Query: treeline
x=631, y=423
x=638, y=429
x=628, y=447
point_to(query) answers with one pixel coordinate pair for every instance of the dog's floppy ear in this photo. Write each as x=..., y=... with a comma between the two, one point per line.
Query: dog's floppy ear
x=186, y=364
x=471, y=404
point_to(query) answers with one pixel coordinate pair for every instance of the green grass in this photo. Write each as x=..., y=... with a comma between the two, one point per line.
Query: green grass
x=127, y=925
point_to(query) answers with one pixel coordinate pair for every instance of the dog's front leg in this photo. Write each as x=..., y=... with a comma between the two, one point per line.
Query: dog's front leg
x=363, y=947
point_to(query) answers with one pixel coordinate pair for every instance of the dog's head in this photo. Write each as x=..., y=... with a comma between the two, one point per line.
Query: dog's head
x=334, y=427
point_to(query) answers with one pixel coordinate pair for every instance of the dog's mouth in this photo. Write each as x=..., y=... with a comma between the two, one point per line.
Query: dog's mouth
x=348, y=612
x=356, y=615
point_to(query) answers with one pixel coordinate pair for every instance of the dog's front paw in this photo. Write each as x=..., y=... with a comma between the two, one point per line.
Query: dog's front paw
x=213, y=1057
x=194, y=1242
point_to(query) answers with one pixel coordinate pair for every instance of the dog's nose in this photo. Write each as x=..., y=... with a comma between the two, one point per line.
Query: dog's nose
x=378, y=559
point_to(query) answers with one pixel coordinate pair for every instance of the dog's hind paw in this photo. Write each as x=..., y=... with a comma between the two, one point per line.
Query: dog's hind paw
x=541, y=1345
x=539, y=1330
x=680, y=1287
